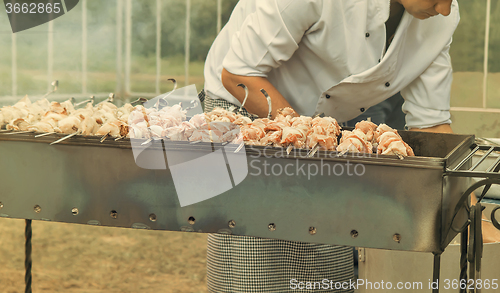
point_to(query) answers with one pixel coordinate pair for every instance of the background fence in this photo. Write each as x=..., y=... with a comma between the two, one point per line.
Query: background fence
x=131, y=48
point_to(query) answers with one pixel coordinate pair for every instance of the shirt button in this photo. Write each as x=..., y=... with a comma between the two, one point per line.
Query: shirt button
x=387, y=84
x=367, y=35
x=362, y=109
x=327, y=96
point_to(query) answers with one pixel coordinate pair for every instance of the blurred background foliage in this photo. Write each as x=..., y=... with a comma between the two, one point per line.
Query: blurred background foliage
x=467, y=52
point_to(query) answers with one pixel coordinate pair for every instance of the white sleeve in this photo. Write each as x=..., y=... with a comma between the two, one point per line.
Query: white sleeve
x=427, y=98
x=270, y=35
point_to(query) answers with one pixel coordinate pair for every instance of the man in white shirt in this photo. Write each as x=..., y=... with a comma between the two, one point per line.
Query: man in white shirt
x=330, y=57
x=337, y=57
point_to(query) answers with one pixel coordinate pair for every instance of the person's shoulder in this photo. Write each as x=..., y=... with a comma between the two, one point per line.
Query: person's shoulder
x=300, y=7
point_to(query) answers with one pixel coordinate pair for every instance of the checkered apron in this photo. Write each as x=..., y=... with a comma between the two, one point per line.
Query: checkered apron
x=242, y=264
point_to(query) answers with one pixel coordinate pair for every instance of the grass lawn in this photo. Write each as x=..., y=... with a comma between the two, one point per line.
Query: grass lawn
x=83, y=258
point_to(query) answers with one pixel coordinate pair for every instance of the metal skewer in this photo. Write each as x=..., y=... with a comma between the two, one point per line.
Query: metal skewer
x=45, y=134
x=175, y=83
x=54, y=84
x=110, y=99
x=344, y=151
x=313, y=150
x=147, y=141
x=194, y=104
x=157, y=105
x=91, y=100
x=19, y=132
x=139, y=100
x=242, y=144
x=103, y=138
x=66, y=137
x=268, y=102
x=246, y=96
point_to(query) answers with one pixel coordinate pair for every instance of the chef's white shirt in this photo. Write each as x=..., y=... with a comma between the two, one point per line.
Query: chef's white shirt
x=328, y=56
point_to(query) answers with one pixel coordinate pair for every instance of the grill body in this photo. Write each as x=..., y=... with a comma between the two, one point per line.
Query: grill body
x=394, y=204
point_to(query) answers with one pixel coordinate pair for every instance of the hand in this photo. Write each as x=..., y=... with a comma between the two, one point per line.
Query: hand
x=443, y=128
x=256, y=102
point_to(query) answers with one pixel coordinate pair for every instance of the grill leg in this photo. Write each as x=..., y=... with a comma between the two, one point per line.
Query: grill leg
x=435, y=273
x=463, y=257
x=27, y=256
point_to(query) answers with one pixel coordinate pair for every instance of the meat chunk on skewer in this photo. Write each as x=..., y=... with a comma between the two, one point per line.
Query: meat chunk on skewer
x=368, y=129
x=355, y=142
x=390, y=143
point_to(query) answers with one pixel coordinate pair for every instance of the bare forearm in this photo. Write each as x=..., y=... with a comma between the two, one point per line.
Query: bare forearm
x=443, y=128
x=256, y=102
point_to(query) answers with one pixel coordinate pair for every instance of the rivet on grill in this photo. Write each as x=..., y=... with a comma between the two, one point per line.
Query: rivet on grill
x=191, y=220
x=152, y=217
x=312, y=230
x=354, y=233
x=113, y=214
x=74, y=211
x=232, y=224
x=37, y=209
x=1, y=205
x=397, y=238
x=271, y=227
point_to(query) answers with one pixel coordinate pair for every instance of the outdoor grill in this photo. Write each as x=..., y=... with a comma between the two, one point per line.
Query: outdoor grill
x=414, y=204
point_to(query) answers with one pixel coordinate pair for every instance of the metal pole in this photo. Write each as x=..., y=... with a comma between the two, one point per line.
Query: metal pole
x=128, y=44
x=27, y=256
x=435, y=273
x=50, y=59
x=158, y=45
x=84, y=46
x=486, y=47
x=119, y=46
x=188, y=42
x=219, y=15
x=14, y=65
x=463, y=258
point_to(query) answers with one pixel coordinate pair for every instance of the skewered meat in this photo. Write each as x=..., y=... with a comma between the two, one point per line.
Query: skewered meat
x=68, y=125
x=118, y=129
x=391, y=143
x=11, y=113
x=52, y=118
x=25, y=102
x=381, y=129
x=89, y=126
x=286, y=130
x=41, y=127
x=57, y=108
x=368, y=129
x=18, y=124
x=295, y=136
x=354, y=141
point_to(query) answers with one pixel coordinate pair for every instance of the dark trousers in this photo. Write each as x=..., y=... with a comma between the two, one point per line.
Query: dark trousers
x=388, y=112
